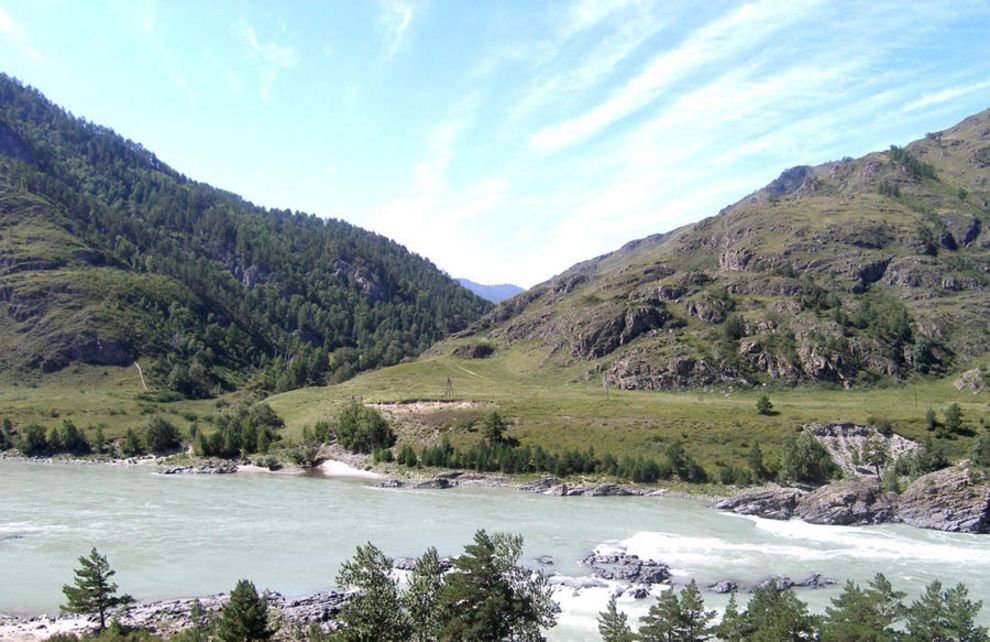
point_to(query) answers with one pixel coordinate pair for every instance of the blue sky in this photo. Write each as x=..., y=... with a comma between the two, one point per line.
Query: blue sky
x=506, y=140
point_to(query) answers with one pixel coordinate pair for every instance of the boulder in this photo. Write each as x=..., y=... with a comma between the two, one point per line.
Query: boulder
x=854, y=503
x=954, y=499
x=625, y=567
x=771, y=503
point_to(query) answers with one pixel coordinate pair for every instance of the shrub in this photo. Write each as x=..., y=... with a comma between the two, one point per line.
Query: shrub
x=764, y=405
x=363, y=430
x=160, y=436
x=32, y=441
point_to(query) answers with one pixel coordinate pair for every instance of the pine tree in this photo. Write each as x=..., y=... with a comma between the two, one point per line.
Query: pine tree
x=858, y=615
x=778, y=616
x=245, y=617
x=613, y=625
x=490, y=597
x=943, y=616
x=92, y=591
x=132, y=445
x=374, y=612
x=732, y=628
x=678, y=619
x=422, y=597
x=695, y=621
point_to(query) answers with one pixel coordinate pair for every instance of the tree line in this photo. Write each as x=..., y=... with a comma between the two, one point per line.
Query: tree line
x=875, y=613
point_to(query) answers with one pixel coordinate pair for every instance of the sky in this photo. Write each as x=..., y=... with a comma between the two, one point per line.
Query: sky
x=505, y=141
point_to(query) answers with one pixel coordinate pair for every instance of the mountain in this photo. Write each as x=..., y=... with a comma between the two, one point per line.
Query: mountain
x=850, y=272
x=493, y=293
x=108, y=255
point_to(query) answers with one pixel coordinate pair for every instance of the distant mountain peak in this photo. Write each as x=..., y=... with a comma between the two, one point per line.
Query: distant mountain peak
x=493, y=293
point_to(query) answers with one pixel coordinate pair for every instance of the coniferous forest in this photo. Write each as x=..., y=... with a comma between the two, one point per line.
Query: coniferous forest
x=109, y=255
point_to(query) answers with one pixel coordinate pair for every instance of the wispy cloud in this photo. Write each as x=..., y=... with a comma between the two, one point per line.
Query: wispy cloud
x=714, y=42
x=13, y=30
x=396, y=16
x=271, y=58
x=945, y=95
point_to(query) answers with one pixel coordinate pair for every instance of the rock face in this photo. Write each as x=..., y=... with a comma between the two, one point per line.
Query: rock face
x=972, y=380
x=955, y=500
x=628, y=568
x=771, y=503
x=855, y=503
x=845, y=443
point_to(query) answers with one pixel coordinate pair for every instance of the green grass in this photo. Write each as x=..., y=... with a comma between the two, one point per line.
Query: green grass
x=90, y=396
x=558, y=409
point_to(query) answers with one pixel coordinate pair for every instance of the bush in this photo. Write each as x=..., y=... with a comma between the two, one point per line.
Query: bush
x=160, y=436
x=32, y=441
x=764, y=406
x=361, y=429
x=806, y=460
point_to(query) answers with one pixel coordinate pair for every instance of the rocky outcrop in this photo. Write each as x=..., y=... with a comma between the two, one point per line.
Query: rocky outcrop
x=771, y=503
x=956, y=500
x=626, y=567
x=855, y=503
x=972, y=381
x=633, y=372
x=846, y=444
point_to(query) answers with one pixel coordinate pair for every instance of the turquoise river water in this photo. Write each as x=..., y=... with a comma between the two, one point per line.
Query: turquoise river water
x=183, y=535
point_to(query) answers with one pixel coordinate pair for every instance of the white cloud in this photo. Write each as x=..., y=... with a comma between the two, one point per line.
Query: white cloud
x=12, y=29
x=945, y=95
x=715, y=42
x=395, y=18
x=270, y=57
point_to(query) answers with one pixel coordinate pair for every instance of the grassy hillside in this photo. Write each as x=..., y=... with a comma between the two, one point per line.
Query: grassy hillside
x=849, y=273
x=562, y=412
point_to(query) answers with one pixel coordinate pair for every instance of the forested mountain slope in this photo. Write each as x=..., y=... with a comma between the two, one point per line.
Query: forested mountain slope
x=108, y=255
x=852, y=271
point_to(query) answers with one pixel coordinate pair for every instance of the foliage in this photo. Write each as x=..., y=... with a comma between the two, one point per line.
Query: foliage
x=754, y=461
x=613, y=625
x=423, y=596
x=160, y=436
x=913, y=166
x=32, y=442
x=944, y=616
x=493, y=429
x=676, y=618
x=375, y=610
x=241, y=430
x=92, y=592
x=953, y=419
x=361, y=429
x=245, y=616
x=927, y=459
x=778, y=616
x=291, y=298
x=858, y=615
x=488, y=596
x=764, y=406
x=876, y=454
x=805, y=460
x=131, y=446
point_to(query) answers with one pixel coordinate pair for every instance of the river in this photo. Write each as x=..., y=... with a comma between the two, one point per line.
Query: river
x=182, y=535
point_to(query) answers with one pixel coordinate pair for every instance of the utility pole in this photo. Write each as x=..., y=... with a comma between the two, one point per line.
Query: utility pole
x=448, y=391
